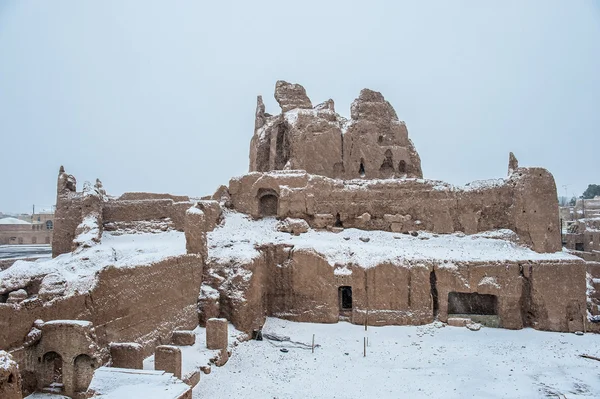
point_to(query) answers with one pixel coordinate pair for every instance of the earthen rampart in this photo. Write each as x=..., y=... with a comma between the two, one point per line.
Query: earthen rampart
x=525, y=202
x=141, y=304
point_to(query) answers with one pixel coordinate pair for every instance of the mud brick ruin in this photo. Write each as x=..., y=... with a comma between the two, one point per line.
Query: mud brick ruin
x=334, y=221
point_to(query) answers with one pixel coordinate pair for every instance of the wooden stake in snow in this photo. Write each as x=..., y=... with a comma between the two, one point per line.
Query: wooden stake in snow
x=365, y=347
x=313, y=344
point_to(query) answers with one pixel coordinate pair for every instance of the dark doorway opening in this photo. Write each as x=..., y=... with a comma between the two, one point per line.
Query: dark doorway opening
x=402, y=167
x=434, y=294
x=267, y=202
x=345, y=297
x=579, y=246
x=361, y=168
x=52, y=370
x=472, y=303
x=338, y=221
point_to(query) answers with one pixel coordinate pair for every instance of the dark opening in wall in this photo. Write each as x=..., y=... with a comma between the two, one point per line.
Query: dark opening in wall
x=282, y=150
x=52, y=369
x=472, y=303
x=268, y=202
x=338, y=221
x=579, y=246
x=387, y=167
x=402, y=167
x=434, y=293
x=345, y=297
x=361, y=168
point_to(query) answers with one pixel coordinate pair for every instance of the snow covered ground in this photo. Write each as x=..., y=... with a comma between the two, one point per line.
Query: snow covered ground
x=408, y=362
x=195, y=356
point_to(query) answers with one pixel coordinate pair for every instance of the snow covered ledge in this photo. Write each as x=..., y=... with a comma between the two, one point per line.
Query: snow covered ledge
x=134, y=287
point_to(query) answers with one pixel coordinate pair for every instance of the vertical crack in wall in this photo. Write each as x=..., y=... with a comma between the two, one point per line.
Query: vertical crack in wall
x=434, y=293
x=527, y=313
x=409, y=287
x=282, y=147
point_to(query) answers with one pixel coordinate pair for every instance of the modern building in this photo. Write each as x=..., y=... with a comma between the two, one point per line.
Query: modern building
x=20, y=231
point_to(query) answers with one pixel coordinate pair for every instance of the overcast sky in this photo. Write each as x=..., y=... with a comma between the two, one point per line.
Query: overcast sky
x=160, y=96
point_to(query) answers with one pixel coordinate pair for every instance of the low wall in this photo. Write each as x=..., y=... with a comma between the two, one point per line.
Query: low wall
x=142, y=304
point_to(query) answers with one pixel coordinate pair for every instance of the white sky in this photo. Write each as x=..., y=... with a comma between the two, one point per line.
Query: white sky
x=160, y=96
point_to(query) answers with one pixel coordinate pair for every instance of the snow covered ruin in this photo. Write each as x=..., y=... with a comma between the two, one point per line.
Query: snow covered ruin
x=334, y=221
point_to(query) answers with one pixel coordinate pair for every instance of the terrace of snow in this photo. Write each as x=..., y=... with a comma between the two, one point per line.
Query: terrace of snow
x=78, y=268
x=236, y=238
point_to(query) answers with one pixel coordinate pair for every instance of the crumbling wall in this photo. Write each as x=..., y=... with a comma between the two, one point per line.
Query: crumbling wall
x=146, y=210
x=142, y=304
x=503, y=280
x=372, y=144
x=131, y=210
x=67, y=215
x=301, y=285
x=138, y=196
x=525, y=202
x=10, y=378
x=535, y=209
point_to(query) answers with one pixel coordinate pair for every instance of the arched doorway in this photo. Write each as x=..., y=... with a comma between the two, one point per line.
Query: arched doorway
x=52, y=370
x=84, y=371
x=268, y=202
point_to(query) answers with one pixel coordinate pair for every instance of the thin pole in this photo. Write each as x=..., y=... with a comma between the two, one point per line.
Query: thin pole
x=313, y=344
x=365, y=347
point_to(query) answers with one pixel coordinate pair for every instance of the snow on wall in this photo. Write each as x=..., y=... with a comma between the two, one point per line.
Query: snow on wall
x=79, y=269
x=235, y=240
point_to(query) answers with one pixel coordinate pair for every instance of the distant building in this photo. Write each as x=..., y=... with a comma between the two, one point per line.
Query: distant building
x=581, y=228
x=27, y=229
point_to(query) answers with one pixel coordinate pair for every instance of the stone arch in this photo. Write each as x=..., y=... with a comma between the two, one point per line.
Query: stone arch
x=52, y=370
x=402, y=167
x=268, y=202
x=83, y=372
x=387, y=167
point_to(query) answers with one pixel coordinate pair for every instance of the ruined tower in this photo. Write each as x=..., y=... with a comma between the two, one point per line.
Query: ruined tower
x=373, y=144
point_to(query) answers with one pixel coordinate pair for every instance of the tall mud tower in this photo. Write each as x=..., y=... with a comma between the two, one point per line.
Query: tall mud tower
x=373, y=144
